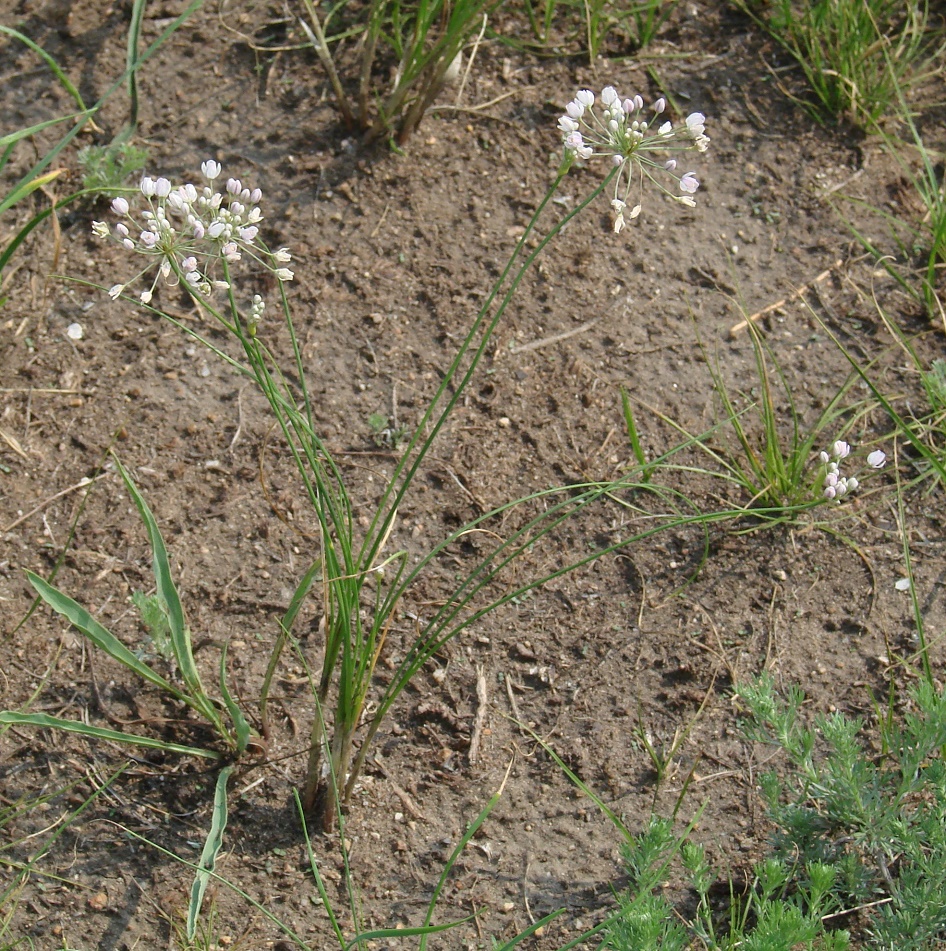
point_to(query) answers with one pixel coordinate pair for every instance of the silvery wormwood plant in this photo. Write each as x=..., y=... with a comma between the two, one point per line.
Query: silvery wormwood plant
x=203, y=239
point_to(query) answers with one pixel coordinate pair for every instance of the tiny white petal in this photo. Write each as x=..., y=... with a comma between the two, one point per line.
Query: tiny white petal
x=876, y=459
x=902, y=584
x=841, y=449
x=75, y=332
x=116, y=291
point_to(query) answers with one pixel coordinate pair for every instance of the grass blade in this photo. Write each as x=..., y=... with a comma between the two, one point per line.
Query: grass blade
x=240, y=724
x=64, y=80
x=461, y=845
x=208, y=857
x=11, y=138
x=80, y=619
x=168, y=596
x=44, y=721
x=289, y=618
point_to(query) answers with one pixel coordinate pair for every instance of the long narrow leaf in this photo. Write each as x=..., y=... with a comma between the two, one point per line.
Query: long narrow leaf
x=289, y=618
x=458, y=850
x=240, y=724
x=167, y=592
x=80, y=619
x=64, y=80
x=45, y=721
x=208, y=857
x=24, y=189
x=11, y=138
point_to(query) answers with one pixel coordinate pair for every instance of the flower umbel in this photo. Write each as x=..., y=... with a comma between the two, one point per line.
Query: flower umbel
x=187, y=233
x=835, y=485
x=636, y=144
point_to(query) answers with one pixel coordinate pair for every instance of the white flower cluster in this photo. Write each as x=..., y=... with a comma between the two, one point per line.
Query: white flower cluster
x=622, y=131
x=836, y=485
x=186, y=231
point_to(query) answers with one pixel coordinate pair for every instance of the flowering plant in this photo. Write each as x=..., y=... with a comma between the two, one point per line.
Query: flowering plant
x=186, y=233
x=198, y=238
x=835, y=484
x=623, y=131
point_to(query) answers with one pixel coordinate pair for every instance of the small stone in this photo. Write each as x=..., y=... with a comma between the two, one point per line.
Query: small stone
x=98, y=902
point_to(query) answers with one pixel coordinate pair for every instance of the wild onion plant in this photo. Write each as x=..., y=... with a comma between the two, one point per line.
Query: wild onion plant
x=206, y=240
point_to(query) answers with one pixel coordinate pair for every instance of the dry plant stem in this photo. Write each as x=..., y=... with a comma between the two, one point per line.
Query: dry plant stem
x=79, y=485
x=321, y=48
x=743, y=324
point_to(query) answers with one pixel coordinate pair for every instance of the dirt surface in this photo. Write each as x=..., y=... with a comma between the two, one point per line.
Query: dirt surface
x=393, y=255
